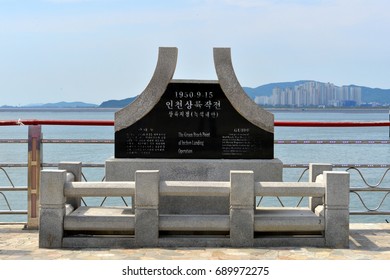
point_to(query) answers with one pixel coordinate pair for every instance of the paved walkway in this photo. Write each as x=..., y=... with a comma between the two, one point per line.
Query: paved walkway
x=367, y=242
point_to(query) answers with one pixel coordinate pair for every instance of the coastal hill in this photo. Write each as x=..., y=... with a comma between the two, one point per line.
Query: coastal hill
x=63, y=104
x=369, y=96
x=117, y=103
x=57, y=105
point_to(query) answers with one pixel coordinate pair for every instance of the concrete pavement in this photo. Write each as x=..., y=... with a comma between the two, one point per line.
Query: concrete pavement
x=367, y=242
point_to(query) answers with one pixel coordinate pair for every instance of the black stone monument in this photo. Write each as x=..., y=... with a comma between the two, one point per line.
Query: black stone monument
x=192, y=119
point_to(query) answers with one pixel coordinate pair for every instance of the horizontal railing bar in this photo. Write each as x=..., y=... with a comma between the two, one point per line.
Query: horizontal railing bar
x=112, y=141
x=330, y=124
x=88, y=165
x=13, y=164
x=340, y=165
x=99, y=189
x=365, y=189
x=57, y=122
x=50, y=164
x=289, y=189
x=12, y=189
x=285, y=165
x=332, y=142
x=363, y=165
x=185, y=188
x=13, y=141
x=369, y=213
x=13, y=212
x=78, y=141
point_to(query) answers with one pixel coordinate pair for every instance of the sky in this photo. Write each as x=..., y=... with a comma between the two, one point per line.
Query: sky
x=96, y=50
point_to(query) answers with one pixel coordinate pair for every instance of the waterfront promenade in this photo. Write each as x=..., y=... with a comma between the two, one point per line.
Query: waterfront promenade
x=367, y=242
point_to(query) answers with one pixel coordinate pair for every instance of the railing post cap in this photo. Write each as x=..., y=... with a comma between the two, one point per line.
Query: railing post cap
x=147, y=171
x=53, y=171
x=336, y=172
x=241, y=172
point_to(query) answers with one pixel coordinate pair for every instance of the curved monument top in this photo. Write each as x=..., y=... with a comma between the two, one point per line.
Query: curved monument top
x=166, y=64
x=236, y=95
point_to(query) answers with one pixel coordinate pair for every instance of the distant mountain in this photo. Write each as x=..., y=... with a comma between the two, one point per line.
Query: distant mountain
x=62, y=105
x=369, y=95
x=376, y=95
x=34, y=105
x=6, y=107
x=117, y=103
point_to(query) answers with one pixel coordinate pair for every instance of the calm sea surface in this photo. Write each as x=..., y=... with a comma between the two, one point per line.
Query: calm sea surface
x=289, y=154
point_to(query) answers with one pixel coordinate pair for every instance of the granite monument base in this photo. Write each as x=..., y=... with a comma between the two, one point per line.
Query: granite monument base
x=193, y=170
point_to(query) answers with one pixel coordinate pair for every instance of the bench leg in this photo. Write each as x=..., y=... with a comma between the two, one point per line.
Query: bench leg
x=146, y=208
x=336, y=209
x=52, y=200
x=242, y=205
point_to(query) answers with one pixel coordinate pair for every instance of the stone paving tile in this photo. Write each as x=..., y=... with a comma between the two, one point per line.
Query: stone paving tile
x=367, y=242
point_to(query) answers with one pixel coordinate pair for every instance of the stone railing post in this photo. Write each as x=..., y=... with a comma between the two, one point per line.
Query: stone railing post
x=242, y=205
x=146, y=208
x=75, y=168
x=316, y=169
x=52, y=208
x=336, y=209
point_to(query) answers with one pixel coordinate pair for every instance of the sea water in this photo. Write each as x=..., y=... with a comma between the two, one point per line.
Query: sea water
x=287, y=153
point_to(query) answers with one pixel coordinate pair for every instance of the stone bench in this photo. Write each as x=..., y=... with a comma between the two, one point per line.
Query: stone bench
x=65, y=223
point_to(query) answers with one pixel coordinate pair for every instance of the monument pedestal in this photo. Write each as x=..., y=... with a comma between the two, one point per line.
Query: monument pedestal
x=193, y=170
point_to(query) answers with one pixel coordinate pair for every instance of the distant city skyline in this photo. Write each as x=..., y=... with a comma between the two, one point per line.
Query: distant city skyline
x=313, y=93
x=96, y=50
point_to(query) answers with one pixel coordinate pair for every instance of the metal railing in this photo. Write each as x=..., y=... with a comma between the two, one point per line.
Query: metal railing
x=34, y=163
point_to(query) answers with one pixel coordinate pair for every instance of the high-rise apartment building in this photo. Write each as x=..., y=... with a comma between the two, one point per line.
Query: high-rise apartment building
x=314, y=94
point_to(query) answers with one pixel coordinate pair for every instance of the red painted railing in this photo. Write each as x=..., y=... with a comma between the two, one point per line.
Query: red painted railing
x=331, y=124
x=57, y=122
x=111, y=123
